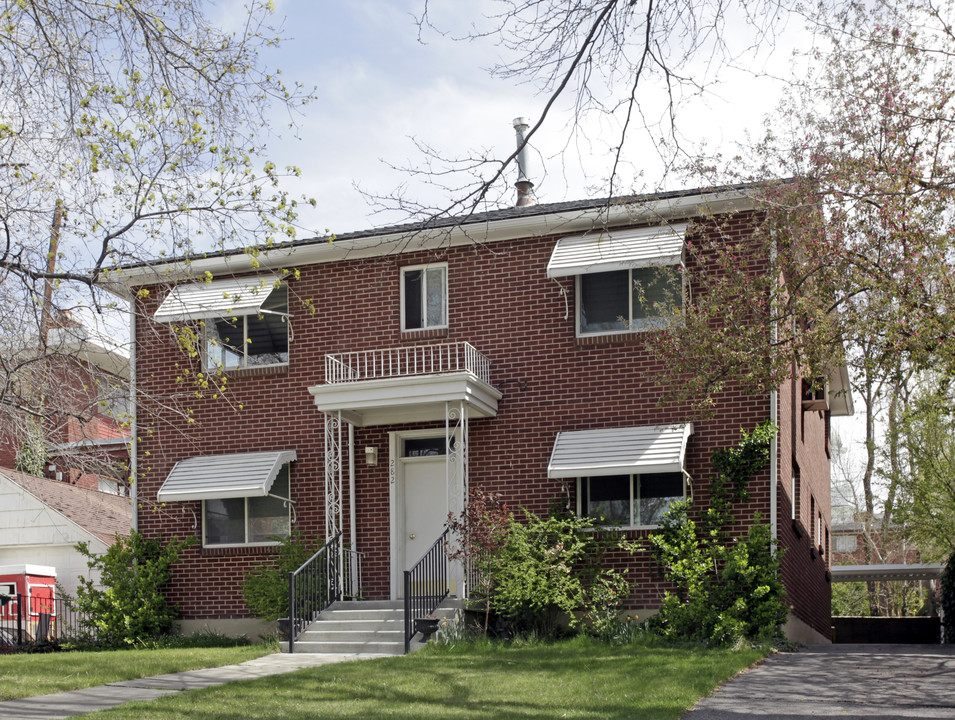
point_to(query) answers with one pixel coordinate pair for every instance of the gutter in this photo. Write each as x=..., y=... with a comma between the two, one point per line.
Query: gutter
x=410, y=239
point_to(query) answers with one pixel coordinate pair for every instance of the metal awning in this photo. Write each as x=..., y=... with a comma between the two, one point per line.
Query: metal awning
x=224, y=476
x=874, y=573
x=619, y=451
x=218, y=298
x=617, y=250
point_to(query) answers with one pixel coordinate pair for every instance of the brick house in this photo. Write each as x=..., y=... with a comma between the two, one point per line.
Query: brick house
x=372, y=379
x=82, y=378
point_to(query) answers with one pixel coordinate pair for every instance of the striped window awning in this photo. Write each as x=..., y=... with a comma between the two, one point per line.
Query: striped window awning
x=215, y=299
x=617, y=250
x=619, y=451
x=224, y=476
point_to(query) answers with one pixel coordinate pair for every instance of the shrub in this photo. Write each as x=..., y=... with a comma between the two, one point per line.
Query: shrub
x=265, y=588
x=533, y=572
x=726, y=589
x=127, y=605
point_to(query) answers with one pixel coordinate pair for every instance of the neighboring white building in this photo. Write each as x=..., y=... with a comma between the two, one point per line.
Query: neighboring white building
x=42, y=520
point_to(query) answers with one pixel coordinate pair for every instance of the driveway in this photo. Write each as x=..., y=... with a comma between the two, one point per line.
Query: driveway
x=852, y=682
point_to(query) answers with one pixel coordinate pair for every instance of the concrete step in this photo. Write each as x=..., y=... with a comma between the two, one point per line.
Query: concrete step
x=336, y=624
x=349, y=648
x=362, y=615
x=357, y=635
x=359, y=627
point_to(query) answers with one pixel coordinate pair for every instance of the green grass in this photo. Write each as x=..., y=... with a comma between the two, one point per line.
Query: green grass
x=26, y=675
x=578, y=678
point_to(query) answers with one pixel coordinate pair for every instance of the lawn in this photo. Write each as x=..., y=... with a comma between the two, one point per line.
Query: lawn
x=26, y=675
x=578, y=678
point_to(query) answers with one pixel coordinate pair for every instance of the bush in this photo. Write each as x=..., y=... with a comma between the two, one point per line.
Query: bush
x=535, y=572
x=726, y=589
x=265, y=589
x=127, y=605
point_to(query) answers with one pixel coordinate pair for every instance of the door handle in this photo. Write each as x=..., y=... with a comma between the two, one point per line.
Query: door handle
x=411, y=536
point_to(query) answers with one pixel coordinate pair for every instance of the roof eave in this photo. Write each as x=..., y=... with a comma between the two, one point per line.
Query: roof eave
x=720, y=201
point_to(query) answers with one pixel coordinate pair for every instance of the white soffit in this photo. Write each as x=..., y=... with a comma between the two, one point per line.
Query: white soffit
x=617, y=250
x=619, y=451
x=224, y=476
x=218, y=298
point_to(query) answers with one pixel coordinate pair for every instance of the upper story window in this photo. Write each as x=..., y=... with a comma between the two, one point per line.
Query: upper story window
x=240, y=341
x=424, y=297
x=244, y=320
x=627, y=280
x=624, y=300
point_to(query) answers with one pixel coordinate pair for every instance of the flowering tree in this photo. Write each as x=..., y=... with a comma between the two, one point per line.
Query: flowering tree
x=128, y=131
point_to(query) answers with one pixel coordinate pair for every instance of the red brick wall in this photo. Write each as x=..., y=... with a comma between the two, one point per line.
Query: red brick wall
x=803, y=451
x=500, y=301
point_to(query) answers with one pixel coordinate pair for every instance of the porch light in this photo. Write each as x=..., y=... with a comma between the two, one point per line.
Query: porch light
x=371, y=456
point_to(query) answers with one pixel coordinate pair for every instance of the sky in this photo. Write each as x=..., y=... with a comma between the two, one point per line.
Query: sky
x=378, y=85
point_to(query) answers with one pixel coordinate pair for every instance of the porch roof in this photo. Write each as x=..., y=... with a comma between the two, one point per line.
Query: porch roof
x=418, y=398
x=619, y=451
x=224, y=476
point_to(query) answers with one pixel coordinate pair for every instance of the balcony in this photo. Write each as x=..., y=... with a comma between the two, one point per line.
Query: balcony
x=407, y=362
x=421, y=383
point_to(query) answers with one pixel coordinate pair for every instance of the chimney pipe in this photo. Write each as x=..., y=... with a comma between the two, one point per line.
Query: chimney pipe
x=525, y=188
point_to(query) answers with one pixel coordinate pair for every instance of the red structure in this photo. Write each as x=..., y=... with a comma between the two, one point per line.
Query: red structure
x=35, y=587
x=373, y=379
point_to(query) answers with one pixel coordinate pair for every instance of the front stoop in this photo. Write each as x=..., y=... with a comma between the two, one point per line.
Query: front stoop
x=357, y=627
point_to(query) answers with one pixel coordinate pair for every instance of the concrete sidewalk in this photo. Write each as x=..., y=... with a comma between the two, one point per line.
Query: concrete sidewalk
x=852, y=682
x=80, y=702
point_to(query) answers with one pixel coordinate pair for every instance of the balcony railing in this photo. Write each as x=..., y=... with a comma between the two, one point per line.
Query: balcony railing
x=407, y=361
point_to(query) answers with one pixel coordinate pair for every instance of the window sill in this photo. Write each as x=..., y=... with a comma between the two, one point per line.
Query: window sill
x=251, y=371
x=424, y=334
x=257, y=549
x=624, y=338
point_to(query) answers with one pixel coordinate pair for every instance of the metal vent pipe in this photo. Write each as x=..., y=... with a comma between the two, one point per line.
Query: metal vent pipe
x=525, y=188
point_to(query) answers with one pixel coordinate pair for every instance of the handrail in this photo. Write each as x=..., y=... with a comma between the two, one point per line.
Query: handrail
x=430, y=578
x=409, y=360
x=313, y=587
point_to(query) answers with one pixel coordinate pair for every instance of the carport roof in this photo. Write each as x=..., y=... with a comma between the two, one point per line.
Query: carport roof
x=866, y=573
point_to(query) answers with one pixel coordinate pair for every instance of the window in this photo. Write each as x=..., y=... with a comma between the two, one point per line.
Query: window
x=424, y=297
x=626, y=300
x=427, y=447
x=629, y=500
x=846, y=543
x=248, y=520
x=252, y=340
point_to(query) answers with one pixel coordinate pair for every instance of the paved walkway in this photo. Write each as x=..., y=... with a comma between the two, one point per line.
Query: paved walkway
x=80, y=702
x=852, y=682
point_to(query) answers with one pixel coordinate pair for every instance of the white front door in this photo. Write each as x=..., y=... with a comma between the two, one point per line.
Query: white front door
x=426, y=505
x=419, y=500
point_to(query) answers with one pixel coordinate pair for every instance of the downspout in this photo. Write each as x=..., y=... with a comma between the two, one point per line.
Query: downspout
x=774, y=414
x=773, y=460
x=133, y=431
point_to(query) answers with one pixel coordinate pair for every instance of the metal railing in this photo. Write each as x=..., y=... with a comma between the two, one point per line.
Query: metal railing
x=426, y=585
x=313, y=587
x=407, y=361
x=39, y=620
